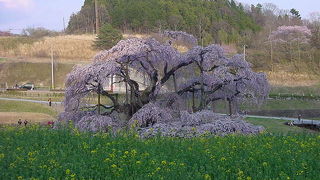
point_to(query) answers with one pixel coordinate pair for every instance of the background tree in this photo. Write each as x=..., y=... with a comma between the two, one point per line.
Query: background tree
x=295, y=13
x=38, y=32
x=294, y=36
x=145, y=16
x=315, y=29
x=108, y=37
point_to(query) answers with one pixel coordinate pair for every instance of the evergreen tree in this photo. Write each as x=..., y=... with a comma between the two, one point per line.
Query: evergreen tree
x=295, y=13
x=108, y=37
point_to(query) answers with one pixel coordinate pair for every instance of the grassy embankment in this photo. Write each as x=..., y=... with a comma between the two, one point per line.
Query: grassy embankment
x=35, y=72
x=68, y=47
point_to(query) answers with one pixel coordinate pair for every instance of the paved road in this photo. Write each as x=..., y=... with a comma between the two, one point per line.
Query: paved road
x=294, y=120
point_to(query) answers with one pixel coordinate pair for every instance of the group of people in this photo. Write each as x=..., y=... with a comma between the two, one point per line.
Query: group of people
x=50, y=123
x=25, y=122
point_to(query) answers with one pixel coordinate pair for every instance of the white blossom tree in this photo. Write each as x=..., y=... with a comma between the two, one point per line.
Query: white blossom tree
x=299, y=35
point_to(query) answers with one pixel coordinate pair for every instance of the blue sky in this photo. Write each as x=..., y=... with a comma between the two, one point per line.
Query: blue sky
x=20, y=14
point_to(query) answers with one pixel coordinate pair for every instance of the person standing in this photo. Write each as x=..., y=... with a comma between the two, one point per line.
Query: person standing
x=25, y=122
x=50, y=103
x=19, y=122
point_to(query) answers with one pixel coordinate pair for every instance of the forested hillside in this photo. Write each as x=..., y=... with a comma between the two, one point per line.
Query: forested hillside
x=218, y=21
x=276, y=40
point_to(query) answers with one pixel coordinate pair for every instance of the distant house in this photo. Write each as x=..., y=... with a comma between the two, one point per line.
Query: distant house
x=141, y=78
x=120, y=87
x=5, y=33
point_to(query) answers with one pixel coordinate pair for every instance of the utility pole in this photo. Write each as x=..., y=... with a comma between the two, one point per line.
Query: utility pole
x=271, y=51
x=97, y=16
x=271, y=54
x=52, y=69
x=64, y=26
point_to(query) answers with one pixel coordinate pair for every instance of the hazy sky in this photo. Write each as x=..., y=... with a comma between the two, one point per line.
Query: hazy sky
x=304, y=6
x=20, y=14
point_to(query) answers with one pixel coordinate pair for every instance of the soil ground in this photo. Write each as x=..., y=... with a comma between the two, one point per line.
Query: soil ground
x=13, y=117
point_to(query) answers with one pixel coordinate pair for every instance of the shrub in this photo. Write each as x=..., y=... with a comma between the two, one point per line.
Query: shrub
x=39, y=32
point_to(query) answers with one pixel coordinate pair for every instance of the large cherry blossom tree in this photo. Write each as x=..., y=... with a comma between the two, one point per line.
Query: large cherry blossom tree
x=203, y=70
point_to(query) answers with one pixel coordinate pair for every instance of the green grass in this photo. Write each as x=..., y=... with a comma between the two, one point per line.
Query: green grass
x=33, y=95
x=290, y=104
x=2, y=59
x=293, y=104
x=15, y=106
x=67, y=154
x=277, y=126
x=300, y=90
x=37, y=73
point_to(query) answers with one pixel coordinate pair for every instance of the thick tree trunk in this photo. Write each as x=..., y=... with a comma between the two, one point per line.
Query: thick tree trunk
x=111, y=88
x=202, y=98
x=213, y=106
x=126, y=83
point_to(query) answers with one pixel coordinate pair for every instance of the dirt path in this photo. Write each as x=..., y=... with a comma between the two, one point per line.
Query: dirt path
x=13, y=117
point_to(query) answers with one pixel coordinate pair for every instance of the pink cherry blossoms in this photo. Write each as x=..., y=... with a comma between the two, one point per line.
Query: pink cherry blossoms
x=300, y=34
x=170, y=75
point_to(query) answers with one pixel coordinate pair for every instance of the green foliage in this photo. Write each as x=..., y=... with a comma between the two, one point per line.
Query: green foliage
x=108, y=37
x=295, y=13
x=35, y=152
x=152, y=15
x=15, y=106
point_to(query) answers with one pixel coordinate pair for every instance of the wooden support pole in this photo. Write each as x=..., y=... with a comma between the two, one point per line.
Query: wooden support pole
x=111, y=89
x=230, y=107
x=99, y=101
x=52, y=69
x=126, y=83
x=175, y=83
x=193, y=103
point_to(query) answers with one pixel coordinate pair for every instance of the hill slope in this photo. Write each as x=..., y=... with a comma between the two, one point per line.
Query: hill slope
x=217, y=21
